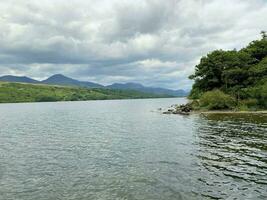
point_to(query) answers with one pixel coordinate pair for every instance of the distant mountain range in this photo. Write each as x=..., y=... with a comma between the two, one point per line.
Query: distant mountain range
x=22, y=79
x=59, y=79
x=141, y=88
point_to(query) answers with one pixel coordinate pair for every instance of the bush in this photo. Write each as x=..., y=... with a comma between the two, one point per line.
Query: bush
x=216, y=100
x=249, y=102
x=194, y=104
x=259, y=92
x=243, y=107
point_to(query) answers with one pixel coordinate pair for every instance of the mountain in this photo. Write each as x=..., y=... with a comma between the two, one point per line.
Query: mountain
x=141, y=88
x=59, y=79
x=126, y=86
x=22, y=79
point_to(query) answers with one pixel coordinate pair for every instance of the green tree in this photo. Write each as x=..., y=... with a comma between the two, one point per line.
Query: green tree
x=257, y=49
x=241, y=74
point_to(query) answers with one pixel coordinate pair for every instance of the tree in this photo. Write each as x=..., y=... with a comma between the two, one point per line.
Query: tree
x=241, y=74
x=264, y=35
x=257, y=49
x=221, y=69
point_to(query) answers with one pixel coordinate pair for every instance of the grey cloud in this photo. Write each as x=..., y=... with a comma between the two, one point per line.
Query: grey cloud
x=155, y=42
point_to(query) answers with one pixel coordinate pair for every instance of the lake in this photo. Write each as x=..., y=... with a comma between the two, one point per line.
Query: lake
x=127, y=149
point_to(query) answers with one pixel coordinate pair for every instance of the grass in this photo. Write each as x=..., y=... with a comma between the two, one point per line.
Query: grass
x=23, y=92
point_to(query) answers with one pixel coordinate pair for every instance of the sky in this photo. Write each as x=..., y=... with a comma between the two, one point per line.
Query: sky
x=153, y=42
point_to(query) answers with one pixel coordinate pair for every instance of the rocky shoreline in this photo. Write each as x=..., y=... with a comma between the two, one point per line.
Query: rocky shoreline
x=183, y=109
x=187, y=109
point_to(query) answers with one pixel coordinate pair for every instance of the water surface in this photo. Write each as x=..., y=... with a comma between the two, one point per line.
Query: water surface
x=126, y=149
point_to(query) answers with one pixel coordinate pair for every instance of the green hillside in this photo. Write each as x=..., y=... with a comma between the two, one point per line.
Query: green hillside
x=21, y=92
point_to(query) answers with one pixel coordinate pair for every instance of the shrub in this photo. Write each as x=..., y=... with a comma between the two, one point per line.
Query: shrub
x=249, y=102
x=194, y=104
x=242, y=107
x=216, y=100
x=259, y=92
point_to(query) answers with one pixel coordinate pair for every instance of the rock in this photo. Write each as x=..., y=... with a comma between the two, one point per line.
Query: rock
x=167, y=112
x=183, y=109
x=183, y=113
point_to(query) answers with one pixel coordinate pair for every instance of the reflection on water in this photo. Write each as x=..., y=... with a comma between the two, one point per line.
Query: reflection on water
x=258, y=118
x=233, y=151
x=126, y=150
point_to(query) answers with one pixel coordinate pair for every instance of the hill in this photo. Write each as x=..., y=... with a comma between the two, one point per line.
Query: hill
x=22, y=79
x=24, y=92
x=141, y=88
x=59, y=79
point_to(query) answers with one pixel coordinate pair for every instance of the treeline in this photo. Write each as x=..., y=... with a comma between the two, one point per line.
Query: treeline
x=21, y=92
x=233, y=79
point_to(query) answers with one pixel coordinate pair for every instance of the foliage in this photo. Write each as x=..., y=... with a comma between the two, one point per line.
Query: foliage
x=20, y=92
x=259, y=92
x=247, y=104
x=195, y=104
x=241, y=74
x=216, y=100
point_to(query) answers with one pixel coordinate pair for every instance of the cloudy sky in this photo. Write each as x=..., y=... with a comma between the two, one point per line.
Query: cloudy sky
x=154, y=42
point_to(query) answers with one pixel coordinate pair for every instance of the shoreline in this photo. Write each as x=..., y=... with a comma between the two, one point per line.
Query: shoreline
x=22, y=102
x=229, y=112
x=186, y=109
x=264, y=112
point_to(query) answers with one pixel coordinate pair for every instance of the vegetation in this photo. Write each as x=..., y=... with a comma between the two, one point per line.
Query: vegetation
x=216, y=100
x=21, y=92
x=232, y=79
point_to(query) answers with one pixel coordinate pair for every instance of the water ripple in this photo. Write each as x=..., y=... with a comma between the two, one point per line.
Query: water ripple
x=121, y=150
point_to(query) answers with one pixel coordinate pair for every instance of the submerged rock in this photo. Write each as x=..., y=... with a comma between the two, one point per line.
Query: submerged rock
x=167, y=112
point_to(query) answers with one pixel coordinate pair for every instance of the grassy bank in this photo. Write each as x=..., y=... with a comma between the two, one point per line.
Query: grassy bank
x=21, y=92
